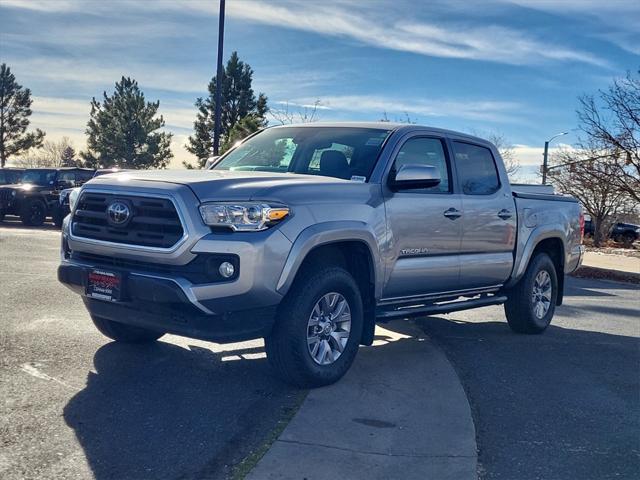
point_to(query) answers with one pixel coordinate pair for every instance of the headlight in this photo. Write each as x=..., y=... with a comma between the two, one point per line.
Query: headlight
x=242, y=217
x=73, y=198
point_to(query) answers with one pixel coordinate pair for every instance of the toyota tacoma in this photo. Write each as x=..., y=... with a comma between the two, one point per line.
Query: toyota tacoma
x=308, y=235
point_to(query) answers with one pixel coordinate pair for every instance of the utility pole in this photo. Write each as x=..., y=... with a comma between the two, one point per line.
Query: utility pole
x=219, y=75
x=545, y=167
x=545, y=163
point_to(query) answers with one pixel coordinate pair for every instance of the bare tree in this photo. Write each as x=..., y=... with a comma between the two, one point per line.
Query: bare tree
x=507, y=152
x=53, y=154
x=588, y=175
x=301, y=114
x=611, y=123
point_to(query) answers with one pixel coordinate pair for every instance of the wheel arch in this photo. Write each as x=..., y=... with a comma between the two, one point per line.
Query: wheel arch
x=550, y=242
x=348, y=244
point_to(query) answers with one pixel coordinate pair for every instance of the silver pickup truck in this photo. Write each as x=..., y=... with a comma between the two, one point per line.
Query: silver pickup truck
x=308, y=235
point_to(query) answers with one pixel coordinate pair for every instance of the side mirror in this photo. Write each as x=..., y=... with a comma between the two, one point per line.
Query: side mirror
x=415, y=176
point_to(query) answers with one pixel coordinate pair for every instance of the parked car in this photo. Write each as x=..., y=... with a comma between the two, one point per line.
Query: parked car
x=625, y=233
x=9, y=176
x=36, y=197
x=307, y=235
x=62, y=209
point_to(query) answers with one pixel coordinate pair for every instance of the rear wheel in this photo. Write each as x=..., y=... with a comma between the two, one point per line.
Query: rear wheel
x=532, y=302
x=317, y=334
x=121, y=332
x=628, y=239
x=34, y=213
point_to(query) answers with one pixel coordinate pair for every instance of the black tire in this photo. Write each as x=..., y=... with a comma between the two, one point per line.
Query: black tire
x=2, y=214
x=121, y=332
x=286, y=346
x=628, y=239
x=57, y=219
x=33, y=213
x=520, y=306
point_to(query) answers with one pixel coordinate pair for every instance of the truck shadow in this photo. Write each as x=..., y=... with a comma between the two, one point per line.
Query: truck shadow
x=163, y=411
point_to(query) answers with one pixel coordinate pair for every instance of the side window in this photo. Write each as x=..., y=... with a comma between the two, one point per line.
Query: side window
x=477, y=169
x=83, y=177
x=425, y=151
x=69, y=178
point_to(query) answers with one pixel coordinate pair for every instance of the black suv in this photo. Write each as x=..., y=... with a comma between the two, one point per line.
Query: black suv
x=63, y=208
x=36, y=198
x=625, y=233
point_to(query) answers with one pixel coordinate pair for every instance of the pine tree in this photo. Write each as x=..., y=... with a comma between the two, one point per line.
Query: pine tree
x=238, y=103
x=15, y=110
x=68, y=158
x=122, y=131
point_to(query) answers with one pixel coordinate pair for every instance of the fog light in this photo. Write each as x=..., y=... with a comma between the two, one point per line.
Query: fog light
x=226, y=269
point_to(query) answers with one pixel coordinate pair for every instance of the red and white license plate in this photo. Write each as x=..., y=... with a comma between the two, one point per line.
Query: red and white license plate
x=104, y=285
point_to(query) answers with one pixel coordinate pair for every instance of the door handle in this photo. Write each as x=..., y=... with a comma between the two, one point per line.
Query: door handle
x=505, y=214
x=452, y=213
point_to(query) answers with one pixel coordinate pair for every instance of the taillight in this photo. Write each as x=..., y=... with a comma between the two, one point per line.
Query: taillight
x=581, y=226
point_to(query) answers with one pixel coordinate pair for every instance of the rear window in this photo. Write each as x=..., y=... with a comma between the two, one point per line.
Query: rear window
x=476, y=169
x=349, y=153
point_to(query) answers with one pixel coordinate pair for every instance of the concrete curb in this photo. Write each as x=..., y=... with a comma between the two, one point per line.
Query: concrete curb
x=598, y=273
x=399, y=412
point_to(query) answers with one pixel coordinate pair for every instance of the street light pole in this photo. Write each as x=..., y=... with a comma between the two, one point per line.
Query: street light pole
x=218, y=111
x=545, y=167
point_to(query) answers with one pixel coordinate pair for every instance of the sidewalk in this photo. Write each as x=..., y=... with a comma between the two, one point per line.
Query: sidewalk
x=607, y=266
x=400, y=412
x=612, y=262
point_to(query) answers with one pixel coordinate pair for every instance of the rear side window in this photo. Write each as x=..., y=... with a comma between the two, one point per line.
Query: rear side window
x=477, y=169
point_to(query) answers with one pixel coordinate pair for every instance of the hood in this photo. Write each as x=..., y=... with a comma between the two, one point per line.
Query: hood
x=23, y=187
x=220, y=185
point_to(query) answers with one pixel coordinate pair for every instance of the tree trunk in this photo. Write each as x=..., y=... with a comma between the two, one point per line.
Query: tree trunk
x=600, y=232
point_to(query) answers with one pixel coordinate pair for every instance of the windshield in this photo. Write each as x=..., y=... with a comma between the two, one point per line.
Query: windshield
x=10, y=176
x=341, y=152
x=39, y=177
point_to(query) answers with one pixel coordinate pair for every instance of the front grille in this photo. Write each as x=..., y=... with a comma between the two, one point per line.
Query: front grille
x=5, y=195
x=154, y=221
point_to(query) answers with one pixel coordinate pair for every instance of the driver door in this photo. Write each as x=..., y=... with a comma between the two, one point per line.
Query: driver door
x=425, y=225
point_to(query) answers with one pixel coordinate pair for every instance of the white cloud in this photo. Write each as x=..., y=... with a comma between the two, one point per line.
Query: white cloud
x=91, y=73
x=384, y=30
x=486, y=110
x=371, y=23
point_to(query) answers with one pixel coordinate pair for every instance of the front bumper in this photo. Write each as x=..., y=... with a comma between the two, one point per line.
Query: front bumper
x=163, y=304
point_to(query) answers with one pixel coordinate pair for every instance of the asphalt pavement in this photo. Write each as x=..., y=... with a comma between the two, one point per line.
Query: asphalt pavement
x=562, y=405
x=76, y=405
x=565, y=404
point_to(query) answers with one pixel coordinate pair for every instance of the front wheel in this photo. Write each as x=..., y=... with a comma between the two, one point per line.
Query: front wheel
x=317, y=333
x=34, y=213
x=532, y=302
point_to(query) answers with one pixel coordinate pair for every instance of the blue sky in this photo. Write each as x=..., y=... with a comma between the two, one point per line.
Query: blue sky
x=509, y=66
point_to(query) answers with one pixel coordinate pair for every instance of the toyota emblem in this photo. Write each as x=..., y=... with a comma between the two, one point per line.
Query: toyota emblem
x=118, y=213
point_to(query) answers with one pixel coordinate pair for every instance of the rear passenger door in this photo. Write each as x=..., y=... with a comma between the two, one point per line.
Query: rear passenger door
x=489, y=220
x=424, y=225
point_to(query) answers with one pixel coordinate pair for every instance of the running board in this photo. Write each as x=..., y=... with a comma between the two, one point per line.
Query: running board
x=383, y=314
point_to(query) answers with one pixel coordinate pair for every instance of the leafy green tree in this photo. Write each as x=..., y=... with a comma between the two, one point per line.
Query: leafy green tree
x=122, y=131
x=239, y=104
x=15, y=110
